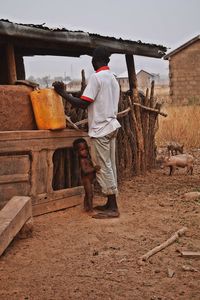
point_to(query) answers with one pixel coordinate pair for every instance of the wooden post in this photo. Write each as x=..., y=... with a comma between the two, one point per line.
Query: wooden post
x=131, y=73
x=151, y=130
x=50, y=170
x=145, y=127
x=68, y=168
x=136, y=114
x=20, y=67
x=12, y=73
x=34, y=159
x=83, y=81
x=3, y=66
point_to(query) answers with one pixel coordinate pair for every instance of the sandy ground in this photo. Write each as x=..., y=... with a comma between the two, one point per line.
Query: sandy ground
x=72, y=256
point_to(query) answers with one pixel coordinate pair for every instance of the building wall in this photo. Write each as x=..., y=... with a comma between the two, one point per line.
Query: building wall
x=184, y=73
x=124, y=84
x=161, y=91
x=144, y=80
x=16, y=111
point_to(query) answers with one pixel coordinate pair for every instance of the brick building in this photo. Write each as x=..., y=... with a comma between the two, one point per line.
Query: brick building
x=184, y=72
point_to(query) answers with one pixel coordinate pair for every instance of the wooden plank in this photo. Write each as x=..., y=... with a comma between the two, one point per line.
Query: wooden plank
x=14, y=178
x=40, y=134
x=57, y=195
x=36, y=145
x=12, y=217
x=12, y=73
x=55, y=205
x=14, y=164
x=190, y=254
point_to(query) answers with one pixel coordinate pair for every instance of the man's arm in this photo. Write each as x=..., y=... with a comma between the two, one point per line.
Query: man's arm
x=74, y=101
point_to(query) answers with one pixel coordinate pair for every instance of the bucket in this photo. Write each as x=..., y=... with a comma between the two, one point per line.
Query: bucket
x=48, y=109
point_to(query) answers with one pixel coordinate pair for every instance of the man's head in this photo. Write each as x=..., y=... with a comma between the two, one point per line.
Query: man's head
x=100, y=57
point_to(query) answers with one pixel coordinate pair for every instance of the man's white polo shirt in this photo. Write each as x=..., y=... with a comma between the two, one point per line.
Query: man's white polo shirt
x=103, y=93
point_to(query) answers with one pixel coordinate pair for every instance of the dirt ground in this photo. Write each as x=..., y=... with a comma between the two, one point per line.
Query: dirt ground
x=72, y=256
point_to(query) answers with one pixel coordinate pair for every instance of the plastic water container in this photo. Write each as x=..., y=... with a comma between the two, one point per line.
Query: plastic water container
x=48, y=109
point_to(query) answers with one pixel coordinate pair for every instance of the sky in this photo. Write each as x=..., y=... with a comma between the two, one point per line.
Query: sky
x=170, y=23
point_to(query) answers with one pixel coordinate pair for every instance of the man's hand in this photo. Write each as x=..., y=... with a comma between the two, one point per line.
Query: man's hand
x=59, y=86
x=76, y=102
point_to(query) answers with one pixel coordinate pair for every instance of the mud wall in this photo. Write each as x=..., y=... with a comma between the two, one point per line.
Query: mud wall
x=15, y=108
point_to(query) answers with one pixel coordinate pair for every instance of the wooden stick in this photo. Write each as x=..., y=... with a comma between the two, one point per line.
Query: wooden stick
x=151, y=109
x=71, y=123
x=123, y=113
x=120, y=114
x=168, y=242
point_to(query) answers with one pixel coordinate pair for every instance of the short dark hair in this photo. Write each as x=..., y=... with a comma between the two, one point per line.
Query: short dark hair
x=79, y=141
x=101, y=54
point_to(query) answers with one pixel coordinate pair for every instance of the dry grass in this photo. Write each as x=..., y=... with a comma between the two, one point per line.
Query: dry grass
x=181, y=125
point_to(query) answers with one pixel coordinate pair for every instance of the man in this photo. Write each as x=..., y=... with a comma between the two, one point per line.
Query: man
x=101, y=98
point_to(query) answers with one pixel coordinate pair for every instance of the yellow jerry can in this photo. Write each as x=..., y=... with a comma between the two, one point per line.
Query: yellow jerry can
x=48, y=109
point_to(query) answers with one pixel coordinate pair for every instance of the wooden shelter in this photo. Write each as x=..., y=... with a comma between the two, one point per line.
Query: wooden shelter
x=27, y=155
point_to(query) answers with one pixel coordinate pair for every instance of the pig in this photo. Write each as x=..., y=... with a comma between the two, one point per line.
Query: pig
x=180, y=160
x=174, y=148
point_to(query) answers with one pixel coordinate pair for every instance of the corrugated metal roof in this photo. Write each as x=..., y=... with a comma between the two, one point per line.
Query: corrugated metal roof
x=32, y=39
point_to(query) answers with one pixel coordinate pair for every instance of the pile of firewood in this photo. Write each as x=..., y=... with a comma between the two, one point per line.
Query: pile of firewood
x=136, y=148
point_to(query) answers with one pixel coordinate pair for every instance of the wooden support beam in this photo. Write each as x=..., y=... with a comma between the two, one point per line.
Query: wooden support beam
x=12, y=217
x=20, y=67
x=12, y=72
x=3, y=66
x=131, y=72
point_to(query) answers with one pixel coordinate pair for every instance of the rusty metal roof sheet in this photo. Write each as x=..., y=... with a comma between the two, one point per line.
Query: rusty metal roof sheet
x=32, y=39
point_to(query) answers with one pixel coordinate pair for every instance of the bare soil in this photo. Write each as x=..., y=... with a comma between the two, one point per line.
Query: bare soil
x=72, y=256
